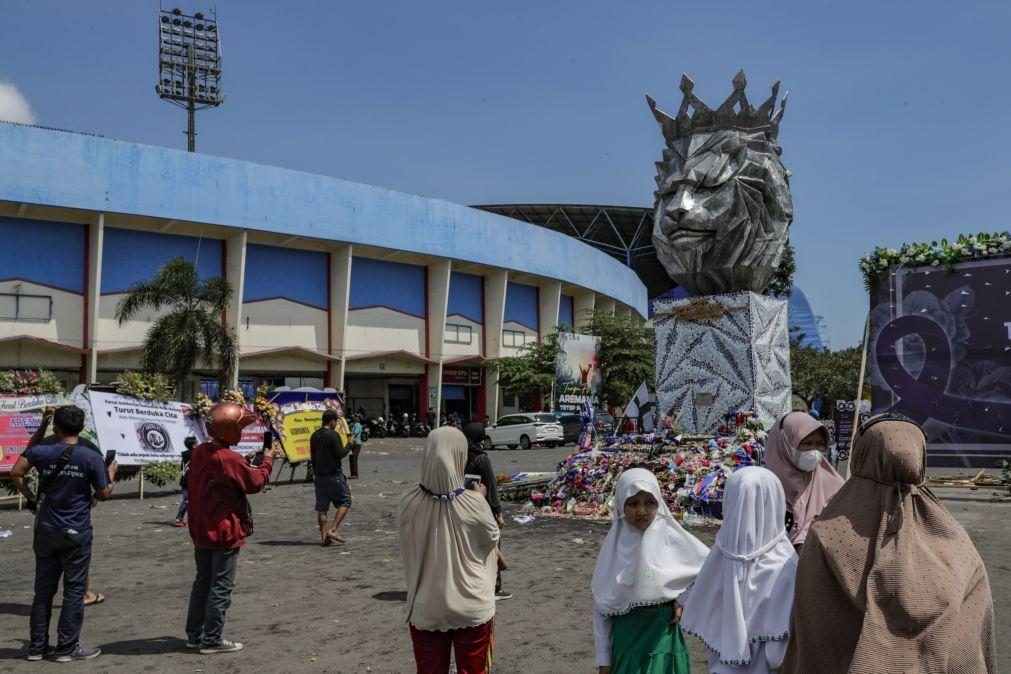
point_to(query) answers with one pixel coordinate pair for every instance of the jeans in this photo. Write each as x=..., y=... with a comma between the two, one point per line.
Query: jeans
x=57, y=554
x=182, y=505
x=211, y=595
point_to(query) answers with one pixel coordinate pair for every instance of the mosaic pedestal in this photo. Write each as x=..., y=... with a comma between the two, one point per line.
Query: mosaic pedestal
x=719, y=354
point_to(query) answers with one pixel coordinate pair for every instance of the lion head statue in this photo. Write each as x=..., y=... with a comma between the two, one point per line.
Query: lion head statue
x=723, y=206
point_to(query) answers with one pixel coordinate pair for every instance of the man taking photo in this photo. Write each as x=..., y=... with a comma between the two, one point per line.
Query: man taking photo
x=220, y=521
x=69, y=476
x=326, y=450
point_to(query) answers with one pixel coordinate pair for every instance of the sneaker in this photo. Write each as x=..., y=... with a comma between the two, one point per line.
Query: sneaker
x=223, y=646
x=35, y=657
x=79, y=653
x=192, y=644
x=502, y=595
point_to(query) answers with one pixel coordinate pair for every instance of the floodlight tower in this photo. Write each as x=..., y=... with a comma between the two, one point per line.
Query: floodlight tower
x=189, y=64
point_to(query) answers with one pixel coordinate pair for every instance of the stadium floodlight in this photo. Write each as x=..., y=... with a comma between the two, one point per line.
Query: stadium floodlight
x=189, y=64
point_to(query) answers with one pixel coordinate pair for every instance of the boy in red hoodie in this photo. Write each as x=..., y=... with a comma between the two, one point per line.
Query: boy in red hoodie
x=220, y=521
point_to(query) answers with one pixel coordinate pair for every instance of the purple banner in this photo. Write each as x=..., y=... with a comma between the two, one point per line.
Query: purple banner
x=940, y=353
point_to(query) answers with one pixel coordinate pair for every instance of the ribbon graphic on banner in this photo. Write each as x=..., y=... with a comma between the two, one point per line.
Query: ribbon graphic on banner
x=924, y=396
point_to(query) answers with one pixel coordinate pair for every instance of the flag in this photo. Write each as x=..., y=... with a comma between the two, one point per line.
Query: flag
x=640, y=399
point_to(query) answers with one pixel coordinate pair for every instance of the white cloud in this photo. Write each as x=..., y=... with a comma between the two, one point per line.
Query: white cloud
x=13, y=106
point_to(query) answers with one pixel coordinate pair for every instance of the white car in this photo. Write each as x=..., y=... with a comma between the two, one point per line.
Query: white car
x=524, y=430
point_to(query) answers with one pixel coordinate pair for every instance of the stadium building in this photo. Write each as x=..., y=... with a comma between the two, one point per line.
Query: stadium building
x=397, y=299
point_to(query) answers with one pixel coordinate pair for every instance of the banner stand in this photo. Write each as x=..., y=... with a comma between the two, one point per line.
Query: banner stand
x=860, y=391
x=140, y=488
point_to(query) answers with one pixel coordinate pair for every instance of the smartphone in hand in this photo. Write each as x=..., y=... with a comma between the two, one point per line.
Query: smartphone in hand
x=110, y=456
x=469, y=481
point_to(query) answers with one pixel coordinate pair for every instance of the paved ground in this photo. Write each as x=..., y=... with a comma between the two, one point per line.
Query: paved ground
x=299, y=607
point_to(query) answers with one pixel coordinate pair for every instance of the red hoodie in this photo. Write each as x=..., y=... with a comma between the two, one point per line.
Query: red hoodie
x=219, y=479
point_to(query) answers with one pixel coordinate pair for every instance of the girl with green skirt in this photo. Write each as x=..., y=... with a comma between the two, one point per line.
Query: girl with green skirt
x=646, y=562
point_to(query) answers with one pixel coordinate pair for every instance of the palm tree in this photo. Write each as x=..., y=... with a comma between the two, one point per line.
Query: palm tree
x=192, y=331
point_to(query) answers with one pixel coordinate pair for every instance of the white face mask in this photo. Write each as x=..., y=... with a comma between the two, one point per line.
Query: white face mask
x=807, y=461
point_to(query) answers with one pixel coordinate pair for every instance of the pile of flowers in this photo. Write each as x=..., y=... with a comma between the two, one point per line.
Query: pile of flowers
x=934, y=254
x=691, y=473
x=744, y=426
x=144, y=385
x=29, y=382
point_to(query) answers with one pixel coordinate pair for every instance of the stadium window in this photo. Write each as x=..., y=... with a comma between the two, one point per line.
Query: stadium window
x=19, y=307
x=513, y=338
x=459, y=334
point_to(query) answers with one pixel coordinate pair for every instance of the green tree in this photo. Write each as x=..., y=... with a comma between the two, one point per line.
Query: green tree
x=191, y=332
x=532, y=371
x=781, y=284
x=625, y=353
x=815, y=372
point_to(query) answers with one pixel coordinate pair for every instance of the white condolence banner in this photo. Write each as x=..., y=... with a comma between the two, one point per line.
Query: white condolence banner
x=142, y=431
x=32, y=402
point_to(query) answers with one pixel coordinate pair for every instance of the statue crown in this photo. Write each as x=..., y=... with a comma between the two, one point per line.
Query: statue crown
x=735, y=113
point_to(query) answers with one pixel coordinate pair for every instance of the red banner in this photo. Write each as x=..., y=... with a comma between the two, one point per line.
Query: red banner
x=15, y=429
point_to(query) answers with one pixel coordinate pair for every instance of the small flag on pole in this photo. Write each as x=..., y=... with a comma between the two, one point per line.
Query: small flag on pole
x=640, y=399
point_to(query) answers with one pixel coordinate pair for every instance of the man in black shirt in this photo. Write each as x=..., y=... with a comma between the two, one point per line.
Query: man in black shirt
x=70, y=476
x=39, y=437
x=326, y=449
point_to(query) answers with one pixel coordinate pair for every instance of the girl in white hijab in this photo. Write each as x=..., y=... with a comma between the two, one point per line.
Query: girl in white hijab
x=645, y=563
x=740, y=604
x=448, y=540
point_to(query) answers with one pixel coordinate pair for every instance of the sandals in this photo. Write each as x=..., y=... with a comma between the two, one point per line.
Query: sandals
x=99, y=598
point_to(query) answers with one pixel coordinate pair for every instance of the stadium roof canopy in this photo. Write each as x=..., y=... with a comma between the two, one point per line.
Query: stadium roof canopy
x=623, y=232
x=626, y=233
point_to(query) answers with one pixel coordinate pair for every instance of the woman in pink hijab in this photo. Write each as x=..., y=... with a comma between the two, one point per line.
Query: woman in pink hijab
x=795, y=452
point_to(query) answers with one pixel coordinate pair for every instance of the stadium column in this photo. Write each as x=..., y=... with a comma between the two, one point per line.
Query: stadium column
x=96, y=238
x=583, y=302
x=235, y=274
x=439, y=274
x=549, y=300
x=340, y=296
x=495, y=284
x=605, y=304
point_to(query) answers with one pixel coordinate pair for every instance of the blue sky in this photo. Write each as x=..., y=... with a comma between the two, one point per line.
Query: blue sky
x=897, y=127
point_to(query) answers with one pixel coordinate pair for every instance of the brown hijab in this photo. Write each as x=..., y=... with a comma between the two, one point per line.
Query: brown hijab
x=888, y=581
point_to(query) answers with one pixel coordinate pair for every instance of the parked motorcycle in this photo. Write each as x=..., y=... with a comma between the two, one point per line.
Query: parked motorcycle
x=377, y=427
x=392, y=428
x=418, y=428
